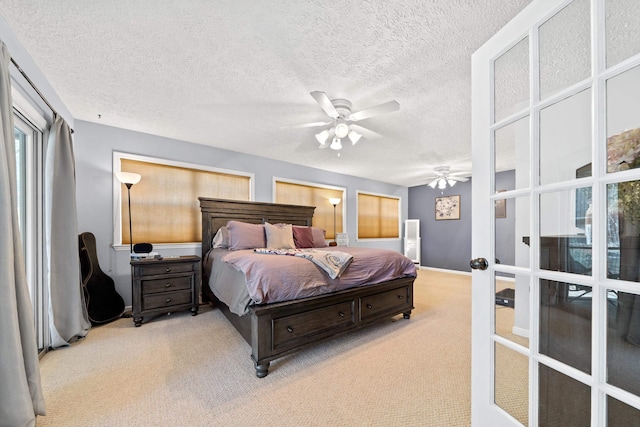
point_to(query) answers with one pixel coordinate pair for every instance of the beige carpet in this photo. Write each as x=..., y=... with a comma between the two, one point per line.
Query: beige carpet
x=180, y=370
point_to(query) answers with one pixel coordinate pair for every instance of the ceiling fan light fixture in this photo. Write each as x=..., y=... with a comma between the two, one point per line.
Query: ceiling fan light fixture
x=322, y=137
x=342, y=130
x=354, y=137
x=451, y=182
x=336, y=144
x=433, y=184
x=442, y=184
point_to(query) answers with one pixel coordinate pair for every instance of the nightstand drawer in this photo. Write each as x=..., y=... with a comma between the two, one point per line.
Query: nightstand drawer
x=166, y=284
x=165, y=268
x=166, y=300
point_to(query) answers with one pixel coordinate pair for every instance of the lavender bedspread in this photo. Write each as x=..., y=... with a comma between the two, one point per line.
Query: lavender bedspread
x=281, y=278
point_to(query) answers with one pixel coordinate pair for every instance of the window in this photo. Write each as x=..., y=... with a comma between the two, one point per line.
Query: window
x=378, y=216
x=164, y=204
x=29, y=142
x=307, y=194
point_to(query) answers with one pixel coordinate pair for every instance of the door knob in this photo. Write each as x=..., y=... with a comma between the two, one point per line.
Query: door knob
x=479, y=264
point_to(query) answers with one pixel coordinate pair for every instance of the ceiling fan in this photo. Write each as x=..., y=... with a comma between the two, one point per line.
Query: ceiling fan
x=444, y=177
x=342, y=123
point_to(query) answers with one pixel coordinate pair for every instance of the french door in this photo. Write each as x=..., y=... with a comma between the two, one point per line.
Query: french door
x=556, y=298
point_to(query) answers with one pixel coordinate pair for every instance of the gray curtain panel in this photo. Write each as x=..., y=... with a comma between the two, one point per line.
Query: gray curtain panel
x=21, y=398
x=68, y=317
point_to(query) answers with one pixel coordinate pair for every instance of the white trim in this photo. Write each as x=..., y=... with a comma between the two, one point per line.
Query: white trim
x=162, y=246
x=276, y=179
x=119, y=155
x=521, y=332
x=400, y=221
x=25, y=108
x=444, y=270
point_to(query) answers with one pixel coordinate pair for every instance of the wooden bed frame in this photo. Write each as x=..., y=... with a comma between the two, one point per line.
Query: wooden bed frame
x=277, y=329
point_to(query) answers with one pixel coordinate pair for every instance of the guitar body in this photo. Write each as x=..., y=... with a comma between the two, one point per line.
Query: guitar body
x=104, y=304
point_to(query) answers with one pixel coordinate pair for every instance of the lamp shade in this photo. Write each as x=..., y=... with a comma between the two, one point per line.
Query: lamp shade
x=128, y=177
x=336, y=144
x=322, y=137
x=354, y=137
x=335, y=200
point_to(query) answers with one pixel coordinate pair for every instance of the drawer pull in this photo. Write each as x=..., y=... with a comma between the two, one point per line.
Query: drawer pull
x=168, y=300
x=167, y=270
x=289, y=329
x=400, y=296
x=341, y=314
x=168, y=285
x=369, y=306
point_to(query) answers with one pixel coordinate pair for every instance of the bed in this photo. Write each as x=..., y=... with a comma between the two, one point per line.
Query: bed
x=276, y=329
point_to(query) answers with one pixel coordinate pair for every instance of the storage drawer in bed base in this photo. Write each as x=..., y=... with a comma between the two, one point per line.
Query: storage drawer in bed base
x=282, y=328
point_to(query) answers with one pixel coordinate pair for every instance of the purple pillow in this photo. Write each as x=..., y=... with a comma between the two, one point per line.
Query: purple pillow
x=303, y=237
x=319, y=240
x=243, y=235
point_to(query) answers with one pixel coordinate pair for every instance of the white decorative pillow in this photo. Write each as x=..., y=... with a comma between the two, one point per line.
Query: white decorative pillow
x=221, y=239
x=279, y=236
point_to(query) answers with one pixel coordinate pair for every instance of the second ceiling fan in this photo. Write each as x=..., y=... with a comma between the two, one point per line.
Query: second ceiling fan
x=342, y=123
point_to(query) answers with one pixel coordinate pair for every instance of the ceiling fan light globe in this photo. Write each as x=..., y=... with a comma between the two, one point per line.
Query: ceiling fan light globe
x=451, y=182
x=342, y=130
x=354, y=137
x=336, y=144
x=433, y=184
x=322, y=137
x=442, y=184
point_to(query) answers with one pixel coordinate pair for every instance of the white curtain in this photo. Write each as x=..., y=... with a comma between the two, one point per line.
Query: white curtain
x=68, y=317
x=21, y=398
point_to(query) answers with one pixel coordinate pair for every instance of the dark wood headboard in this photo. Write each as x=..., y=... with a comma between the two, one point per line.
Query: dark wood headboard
x=216, y=213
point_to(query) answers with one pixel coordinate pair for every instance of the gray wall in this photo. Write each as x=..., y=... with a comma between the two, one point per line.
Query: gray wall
x=94, y=145
x=447, y=244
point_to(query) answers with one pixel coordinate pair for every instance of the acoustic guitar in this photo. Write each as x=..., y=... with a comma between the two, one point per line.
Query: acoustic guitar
x=104, y=304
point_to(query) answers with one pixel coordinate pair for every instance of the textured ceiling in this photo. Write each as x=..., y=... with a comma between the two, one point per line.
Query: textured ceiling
x=231, y=74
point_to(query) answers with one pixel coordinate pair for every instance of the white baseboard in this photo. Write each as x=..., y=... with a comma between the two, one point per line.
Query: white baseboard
x=443, y=270
x=521, y=332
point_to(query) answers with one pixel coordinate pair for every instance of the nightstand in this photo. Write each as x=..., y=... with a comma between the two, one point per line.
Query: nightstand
x=164, y=286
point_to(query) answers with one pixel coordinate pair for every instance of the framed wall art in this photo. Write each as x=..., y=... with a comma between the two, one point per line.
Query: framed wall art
x=447, y=207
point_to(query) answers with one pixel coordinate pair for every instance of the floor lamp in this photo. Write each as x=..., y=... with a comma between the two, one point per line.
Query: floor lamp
x=129, y=179
x=334, y=201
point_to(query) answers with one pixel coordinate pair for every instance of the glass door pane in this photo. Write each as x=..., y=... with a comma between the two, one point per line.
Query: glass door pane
x=565, y=48
x=511, y=90
x=512, y=154
x=565, y=138
x=622, y=27
x=623, y=121
x=511, y=389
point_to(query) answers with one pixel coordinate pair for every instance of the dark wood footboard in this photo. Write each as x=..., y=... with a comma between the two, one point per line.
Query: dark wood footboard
x=277, y=329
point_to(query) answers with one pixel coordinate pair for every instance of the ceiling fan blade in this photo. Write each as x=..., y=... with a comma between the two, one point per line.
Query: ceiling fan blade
x=457, y=178
x=307, y=125
x=324, y=101
x=369, y=134
x=387, y=107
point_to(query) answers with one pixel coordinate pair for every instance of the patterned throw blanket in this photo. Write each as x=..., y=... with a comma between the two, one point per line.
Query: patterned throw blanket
x=331, y=262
